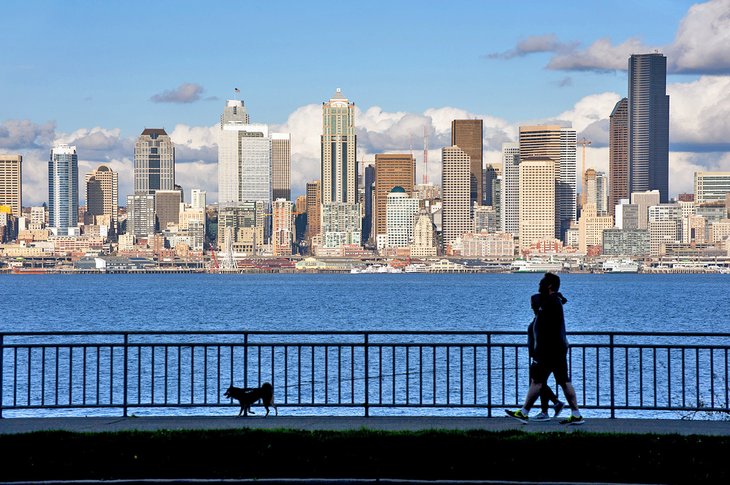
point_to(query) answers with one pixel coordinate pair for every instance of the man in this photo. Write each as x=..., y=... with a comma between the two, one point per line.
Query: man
x=550, y=352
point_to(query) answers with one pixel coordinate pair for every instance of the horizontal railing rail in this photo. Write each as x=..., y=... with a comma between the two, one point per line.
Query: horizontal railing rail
x=383, y=372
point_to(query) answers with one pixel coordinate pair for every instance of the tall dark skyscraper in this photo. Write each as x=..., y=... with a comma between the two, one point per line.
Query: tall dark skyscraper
x=618, y=154
x=648, y=124
x=367, y=222
x=468, y=135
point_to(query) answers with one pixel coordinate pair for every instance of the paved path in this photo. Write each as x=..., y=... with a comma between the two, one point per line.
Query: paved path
x=102, y=424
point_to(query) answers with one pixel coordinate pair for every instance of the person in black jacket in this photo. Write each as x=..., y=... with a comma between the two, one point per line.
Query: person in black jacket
x=546, y=394
x=550, y=351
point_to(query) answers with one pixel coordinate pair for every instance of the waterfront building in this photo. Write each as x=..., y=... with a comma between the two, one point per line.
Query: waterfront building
x=711, y=186
x=536, y=201
x=167, y=208
x=485, y=245
x=694, y=229
x=625, y=242
x=369, y=202
x=455, y=188
x=154, y=162
x=424, y=241
x=618, y=154
x=11, y=183
x=401, y=212
x=314, y=206
x=511, y=188
x=648, y=112
x=198, y=199
x=490, y=174
x=591, y=227
x=192, y=223
x=282, y=233
x=719, y=232
x=63, y=189
x=281, y=166
x=339, y=166
x=644, y=200
x=469, y=135
x=102, y=196
x=141, y=215
x=391, y=170
x=241, y=227
x=572, y=237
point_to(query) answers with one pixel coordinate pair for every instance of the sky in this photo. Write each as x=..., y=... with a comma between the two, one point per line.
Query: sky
x=95, y=74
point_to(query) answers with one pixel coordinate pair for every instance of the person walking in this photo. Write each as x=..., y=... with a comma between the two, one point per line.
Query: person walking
x=546, y=394
x=550, y=351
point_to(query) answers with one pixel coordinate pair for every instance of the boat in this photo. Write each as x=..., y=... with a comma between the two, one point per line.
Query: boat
x=620, y=266
x=535, y=266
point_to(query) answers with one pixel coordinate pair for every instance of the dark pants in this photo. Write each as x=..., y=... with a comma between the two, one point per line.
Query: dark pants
x=538, y=374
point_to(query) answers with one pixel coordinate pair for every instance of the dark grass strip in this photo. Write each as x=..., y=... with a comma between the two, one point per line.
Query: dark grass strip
x=426, y=455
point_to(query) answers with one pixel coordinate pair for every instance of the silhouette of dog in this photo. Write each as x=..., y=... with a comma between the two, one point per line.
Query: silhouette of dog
x=247, y=396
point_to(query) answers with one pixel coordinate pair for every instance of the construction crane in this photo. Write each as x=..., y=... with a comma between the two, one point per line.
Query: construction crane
x=584, y=142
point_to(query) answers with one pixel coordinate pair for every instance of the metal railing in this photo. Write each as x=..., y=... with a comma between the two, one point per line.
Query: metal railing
x=359, y=372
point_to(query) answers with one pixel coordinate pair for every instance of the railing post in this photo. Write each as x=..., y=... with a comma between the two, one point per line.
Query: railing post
x=489, y=375
x=613, y=380
x=245, y=359
x=366, y=366
x=2, y=372
x=126, y=369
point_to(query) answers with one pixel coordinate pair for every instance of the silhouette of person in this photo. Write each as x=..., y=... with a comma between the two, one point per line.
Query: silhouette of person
x=550, y=351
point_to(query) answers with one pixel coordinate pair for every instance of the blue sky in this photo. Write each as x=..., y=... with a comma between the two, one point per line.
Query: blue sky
x=73, y=67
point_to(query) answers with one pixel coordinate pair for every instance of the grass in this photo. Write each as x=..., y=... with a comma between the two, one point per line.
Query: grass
x=429, y=455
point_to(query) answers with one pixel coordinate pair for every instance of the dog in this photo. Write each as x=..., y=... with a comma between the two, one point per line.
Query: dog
x=247, y=396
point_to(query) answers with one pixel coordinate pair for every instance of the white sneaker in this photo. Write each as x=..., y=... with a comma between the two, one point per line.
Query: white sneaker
x=541, y=417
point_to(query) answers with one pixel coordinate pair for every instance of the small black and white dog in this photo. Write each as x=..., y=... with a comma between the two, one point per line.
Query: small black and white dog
x=247, y=396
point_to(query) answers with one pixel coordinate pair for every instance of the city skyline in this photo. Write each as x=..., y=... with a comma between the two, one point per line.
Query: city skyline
x=391, y=116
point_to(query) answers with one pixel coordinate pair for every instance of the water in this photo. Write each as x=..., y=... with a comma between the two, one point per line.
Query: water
x=286, y=302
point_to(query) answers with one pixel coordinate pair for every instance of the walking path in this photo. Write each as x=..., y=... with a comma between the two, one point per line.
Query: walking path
x=111, y=424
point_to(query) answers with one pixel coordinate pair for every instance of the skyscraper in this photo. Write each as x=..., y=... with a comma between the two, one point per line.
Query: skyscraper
x=198, y=199
x=102, y=195
x=648, y=113
x=154, y=162
x=367, y=222
x=618, y=154
x=401, y=212
x=511, y=189
x=167, y=208
x=282, y=234
x=468, y=135
x=63, y=188
x=281, y=166
x=314, y=210
x=455, y=193
x=391, y=170
x=11, y=183
x=490, y=173
x=537, y=200
x=339, y=167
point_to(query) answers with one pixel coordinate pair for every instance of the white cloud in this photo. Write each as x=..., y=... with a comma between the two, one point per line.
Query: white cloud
x=185, y=93
x=699, y=113
x=602, y=55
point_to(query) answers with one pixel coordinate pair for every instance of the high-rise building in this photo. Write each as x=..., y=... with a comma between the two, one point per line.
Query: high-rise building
x=167, y=208
x=282, y=234
x=141, y=215
x=198, y=199
x=367, y=222
x=11, y=183
x=601, y=193
x=644, y=200
x=102, y=195
x=455, y=193
x=391, y=170
x=558, y=145
x=490, y=174
x=281, y=166
x=401, y=212
x=511, y=188
x=468, y=135
x=648, y=113
x=537, y=200
x=618, y=154
x=63, y=188
x=711, y=186
x=341, y=224
x=498, y=201
x=591, y=227
x=339, y=167
x=314, y=210
x=154, y=162
x=590, y=188
x=424, y=245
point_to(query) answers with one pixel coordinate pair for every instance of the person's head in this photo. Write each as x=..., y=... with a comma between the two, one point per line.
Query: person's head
x=549, y=283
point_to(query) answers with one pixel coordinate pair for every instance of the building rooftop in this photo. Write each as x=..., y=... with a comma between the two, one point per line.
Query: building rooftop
x=154, y=131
